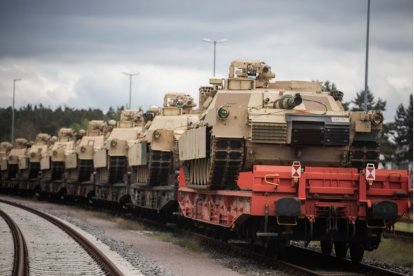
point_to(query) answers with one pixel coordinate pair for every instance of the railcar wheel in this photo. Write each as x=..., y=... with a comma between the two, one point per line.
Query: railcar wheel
x=326, y=247
x=357, y=252
x=341, y=248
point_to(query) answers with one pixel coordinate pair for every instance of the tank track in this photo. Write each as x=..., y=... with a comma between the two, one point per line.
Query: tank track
x=221, y=169
x=117, y=168
x=363, y=152
x=157, y=172
x=85, y=170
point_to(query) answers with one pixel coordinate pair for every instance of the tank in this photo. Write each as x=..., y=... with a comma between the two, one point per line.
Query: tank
x=34, y=154
x=248, y=120
x=88, y=142
x=16, y=160
x=56, y=159
x=153, y=157
x=110, y=160
x=5, y=148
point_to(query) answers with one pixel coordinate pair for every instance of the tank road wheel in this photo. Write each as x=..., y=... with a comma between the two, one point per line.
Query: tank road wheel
x=326, y=247
x=341, y=248
x=357, y=252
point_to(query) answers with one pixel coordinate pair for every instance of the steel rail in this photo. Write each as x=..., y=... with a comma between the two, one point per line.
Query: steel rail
x=341, y=266
x=107, y=265
x=21, y=257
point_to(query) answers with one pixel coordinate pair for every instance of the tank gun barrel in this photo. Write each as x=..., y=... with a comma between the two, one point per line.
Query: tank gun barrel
x=289, y=101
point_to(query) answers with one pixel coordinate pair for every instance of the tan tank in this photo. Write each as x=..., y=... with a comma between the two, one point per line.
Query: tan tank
x=249, y=120
x=79, y=177
x=5, y=148
x=154, y=155
x=34, y=155
x=16, y=160
x=111, y=160
x=58, y=157
x=90, y=140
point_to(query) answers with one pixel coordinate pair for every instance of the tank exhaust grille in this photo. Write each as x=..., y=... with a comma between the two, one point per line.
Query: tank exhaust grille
x=271, y=133
x=308, y=133
x=337, y=135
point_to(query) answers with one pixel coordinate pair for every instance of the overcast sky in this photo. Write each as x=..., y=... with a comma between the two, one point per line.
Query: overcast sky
x=73, y=52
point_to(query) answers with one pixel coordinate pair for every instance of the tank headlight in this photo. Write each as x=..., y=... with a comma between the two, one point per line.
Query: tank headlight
x=377, y=119
x=114, y=143
x=55, y=153
x=33, y=155
x=223, y=113
x=83, y=149
x=157, y=134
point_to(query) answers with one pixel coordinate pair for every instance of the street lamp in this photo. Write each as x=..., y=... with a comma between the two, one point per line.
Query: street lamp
x=130, y=84
x=214, y=42
x=12, y=126
x=366, y=61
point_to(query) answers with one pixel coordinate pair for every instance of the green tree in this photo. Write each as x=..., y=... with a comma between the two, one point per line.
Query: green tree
x=358, y=102
x=328, y=86
x=30, y=120
x=403, y=131
x=387, y=146
x=331, y=87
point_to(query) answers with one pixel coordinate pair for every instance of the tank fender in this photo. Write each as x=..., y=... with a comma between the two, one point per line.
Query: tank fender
x=227, y=131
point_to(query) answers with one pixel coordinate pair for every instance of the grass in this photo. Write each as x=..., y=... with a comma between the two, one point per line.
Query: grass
x=128, y=224
x=392, y=251
x=403, y=226
x=184, y=242
x=122, y=222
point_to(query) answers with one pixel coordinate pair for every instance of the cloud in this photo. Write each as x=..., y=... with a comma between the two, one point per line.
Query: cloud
x=99, y=85
x=73, y=52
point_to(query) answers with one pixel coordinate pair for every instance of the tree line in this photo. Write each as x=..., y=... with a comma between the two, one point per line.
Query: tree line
x=33, y=119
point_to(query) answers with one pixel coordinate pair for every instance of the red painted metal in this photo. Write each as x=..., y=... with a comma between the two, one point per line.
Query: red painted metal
x=318, y=188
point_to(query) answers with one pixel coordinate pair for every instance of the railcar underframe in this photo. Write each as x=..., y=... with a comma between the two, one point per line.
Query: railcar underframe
x=332, y=205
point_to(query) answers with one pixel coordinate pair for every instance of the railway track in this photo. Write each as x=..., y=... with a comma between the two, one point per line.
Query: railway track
x=106, y=266
x=328, y=265
x=300, y=261
x=20, y=265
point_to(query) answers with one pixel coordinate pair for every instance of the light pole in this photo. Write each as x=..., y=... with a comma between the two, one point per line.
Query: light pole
x=214, y=42
x=12, y=126
x=366, y=61
x=130, y=84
